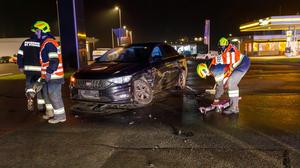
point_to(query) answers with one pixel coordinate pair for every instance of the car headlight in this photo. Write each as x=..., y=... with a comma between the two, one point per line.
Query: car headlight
x=121, y=80
x=72, y=80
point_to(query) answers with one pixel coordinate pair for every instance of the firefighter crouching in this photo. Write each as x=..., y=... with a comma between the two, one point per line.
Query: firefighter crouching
x=52, y=72
x=228, y=69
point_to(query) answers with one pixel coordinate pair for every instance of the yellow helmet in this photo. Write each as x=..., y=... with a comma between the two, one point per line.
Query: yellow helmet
x=223, y=42
x=43, y=26
x=202, y=70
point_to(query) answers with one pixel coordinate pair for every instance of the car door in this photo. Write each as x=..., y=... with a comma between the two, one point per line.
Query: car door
x=170, y=57
x=159, y=69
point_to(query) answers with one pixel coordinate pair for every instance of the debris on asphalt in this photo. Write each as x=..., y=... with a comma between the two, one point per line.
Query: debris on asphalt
x=131, y=123
x=150, y=164
x=156, y=147
x=150, y=116
x=180, y=132
x=76, y=116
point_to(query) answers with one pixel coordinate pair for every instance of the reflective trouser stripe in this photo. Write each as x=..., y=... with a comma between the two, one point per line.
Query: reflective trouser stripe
x=233, y=93
x=32, y=68
x=59, y=111
x=30, y=90
x=40, y=101
x=49, y=107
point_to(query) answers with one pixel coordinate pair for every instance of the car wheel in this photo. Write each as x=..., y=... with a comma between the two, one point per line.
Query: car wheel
x=142, y=92
x=181, y=80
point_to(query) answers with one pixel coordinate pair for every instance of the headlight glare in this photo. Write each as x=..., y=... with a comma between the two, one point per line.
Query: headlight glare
x=121, y=80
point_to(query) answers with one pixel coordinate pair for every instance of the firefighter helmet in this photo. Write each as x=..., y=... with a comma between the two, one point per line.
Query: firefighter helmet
x=202, y=70
x=41, y=25
x=223, y=42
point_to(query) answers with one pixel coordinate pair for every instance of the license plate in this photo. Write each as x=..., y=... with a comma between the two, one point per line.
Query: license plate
x=89, y=94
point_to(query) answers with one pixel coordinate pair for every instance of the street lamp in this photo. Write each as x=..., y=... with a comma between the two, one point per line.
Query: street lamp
x=120, y=16
x=120, y=21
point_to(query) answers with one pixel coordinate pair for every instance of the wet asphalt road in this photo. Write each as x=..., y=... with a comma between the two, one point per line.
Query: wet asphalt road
x=8, y=69
x=168, y=133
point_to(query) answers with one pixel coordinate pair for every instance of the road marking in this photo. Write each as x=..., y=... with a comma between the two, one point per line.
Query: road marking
x=6, y=74
x=245, y=145
x=276, y=141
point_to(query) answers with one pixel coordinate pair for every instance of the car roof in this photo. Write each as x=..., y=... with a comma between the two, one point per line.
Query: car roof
x=149, y=44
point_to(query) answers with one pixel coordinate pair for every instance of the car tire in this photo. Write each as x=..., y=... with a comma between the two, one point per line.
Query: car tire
x=182, y=80
x=142, y=91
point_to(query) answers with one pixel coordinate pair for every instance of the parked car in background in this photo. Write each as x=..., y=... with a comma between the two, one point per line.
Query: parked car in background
x=127, y=77
x=5, y=59
x=13, y=59
x=209, y=55
x=99, y=52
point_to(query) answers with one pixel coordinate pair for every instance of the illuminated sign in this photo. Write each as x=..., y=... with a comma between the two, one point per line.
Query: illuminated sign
x=263, y=22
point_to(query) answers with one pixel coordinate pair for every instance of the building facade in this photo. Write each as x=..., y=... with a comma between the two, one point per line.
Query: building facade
x=272, y=36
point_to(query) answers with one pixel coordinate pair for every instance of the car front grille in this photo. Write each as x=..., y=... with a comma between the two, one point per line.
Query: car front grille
x=92, y=84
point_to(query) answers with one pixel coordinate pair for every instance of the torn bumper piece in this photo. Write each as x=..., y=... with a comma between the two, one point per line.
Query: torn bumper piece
x=101, y=109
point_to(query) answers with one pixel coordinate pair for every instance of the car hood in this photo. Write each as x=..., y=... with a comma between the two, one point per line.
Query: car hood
x=108, y=70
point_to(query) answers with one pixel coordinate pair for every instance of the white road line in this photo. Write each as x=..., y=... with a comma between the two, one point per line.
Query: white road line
x=6, y=74
x=291, y=148
x=258, y=153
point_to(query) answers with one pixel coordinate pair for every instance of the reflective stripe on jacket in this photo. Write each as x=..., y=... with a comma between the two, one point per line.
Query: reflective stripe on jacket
x=45, y=59
x=231, y=56
x=29, y=56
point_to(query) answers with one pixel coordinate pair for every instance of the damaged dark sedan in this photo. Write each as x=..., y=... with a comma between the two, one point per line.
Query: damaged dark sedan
x=127, y=77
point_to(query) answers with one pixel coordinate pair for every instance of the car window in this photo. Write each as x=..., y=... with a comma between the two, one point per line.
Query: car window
x=156, y=52
x=126, y=54
x=169, y=51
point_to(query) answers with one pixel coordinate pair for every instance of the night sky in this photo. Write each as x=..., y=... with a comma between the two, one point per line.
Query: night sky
x=150, y=20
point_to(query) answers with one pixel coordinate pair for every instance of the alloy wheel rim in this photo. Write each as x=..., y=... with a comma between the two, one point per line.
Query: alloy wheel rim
x=142, y=92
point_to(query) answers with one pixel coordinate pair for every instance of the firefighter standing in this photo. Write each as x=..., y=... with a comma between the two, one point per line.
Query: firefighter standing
x=228, y=69
x=29, y=63
x=51, y=70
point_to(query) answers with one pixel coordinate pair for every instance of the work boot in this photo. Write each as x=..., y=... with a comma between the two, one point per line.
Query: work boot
x=49, y=114
x=56, y=120
x=231, y=110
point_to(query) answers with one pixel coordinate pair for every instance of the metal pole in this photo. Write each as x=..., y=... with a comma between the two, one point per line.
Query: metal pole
x=57, y=13
x=120, y=20
x=112, y=38
x=130, y=33
x=120, y=17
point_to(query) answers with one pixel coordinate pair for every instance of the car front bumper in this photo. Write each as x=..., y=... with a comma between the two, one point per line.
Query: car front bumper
x=114, y=94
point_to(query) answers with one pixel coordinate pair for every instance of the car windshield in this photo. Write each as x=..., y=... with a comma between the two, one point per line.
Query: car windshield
x=126, y=54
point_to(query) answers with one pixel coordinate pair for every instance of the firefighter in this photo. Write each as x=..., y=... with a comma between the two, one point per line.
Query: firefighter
x=52, y=71
x=29, y=63
x=228, y=69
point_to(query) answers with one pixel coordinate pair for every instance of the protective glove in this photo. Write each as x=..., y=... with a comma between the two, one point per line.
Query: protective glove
x=41, y=80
